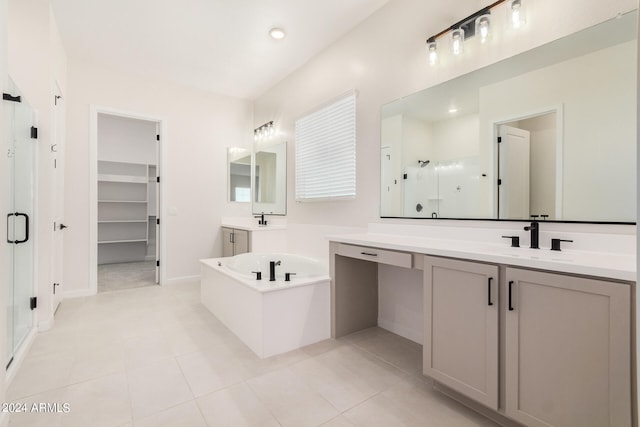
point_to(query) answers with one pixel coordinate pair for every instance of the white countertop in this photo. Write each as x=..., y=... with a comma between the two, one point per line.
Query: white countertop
x=254, y=226
x=597, y=264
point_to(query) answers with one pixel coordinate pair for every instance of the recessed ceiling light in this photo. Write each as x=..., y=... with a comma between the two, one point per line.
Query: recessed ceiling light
x=453, y=110
x=277, y=33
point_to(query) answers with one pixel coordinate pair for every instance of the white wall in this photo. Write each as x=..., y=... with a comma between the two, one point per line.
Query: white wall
x=384, y=59
x=199, y=128
x=121, y=139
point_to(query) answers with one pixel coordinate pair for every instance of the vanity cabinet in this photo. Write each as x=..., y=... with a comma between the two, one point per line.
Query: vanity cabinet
x=461, y=327
x=234, y=241
x=567, y=350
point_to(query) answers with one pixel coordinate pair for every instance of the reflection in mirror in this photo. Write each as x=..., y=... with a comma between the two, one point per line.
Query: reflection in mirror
x=239, y=174
x=270, y=179
x=565, y=116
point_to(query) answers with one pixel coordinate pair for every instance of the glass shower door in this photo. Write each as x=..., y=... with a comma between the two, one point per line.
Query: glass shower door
x=21, y=150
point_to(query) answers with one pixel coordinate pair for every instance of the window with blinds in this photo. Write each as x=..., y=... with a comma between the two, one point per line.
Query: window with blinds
x=325, y=142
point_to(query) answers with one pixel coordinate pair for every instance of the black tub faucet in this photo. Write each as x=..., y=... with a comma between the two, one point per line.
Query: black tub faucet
x=272, y=270
x=535, y=236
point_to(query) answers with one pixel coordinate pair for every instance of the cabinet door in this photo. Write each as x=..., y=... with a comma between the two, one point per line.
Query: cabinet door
x=240, y=241
x=567, y=350
x=227, y=242
x=461, y=327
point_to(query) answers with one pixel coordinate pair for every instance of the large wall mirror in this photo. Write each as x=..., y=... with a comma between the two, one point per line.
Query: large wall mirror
x=270, y=179
x=549, y=133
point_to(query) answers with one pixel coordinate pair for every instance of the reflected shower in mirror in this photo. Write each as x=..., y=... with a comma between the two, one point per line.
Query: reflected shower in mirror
x=239, y=174
x=549, y=134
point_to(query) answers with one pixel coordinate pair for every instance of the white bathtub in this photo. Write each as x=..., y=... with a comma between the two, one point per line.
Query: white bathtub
x=269, y=317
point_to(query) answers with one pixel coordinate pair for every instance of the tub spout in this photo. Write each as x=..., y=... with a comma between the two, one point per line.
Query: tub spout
x=272, y=270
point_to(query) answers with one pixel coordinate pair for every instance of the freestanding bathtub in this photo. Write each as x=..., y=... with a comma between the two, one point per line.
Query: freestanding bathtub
x=269, y=317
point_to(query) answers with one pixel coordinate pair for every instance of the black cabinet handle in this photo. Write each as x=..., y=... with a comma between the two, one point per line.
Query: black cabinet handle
x=510, y=293
x=489, y=290
x=368, y=253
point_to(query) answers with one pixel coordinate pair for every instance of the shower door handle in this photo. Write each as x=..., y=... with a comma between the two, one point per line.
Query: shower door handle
x=26, y=227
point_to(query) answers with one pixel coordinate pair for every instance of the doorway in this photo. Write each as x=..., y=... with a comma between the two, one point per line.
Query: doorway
x=126, y=201
x=22, y=137
x=529, y=159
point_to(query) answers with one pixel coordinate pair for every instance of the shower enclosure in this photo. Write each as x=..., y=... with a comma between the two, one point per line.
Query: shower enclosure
x=20, y=148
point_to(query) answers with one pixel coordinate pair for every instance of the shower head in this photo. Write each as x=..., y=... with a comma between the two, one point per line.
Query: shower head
x=424, y=163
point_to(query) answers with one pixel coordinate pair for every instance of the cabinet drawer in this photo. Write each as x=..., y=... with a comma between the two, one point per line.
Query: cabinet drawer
x=382, y=256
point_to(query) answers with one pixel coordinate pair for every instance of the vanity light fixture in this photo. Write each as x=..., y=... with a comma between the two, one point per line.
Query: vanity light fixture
x=478, y=23
x=277, y=33
x=264, y=132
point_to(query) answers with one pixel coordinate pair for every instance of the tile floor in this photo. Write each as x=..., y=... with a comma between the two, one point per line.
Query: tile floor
x=154, y=356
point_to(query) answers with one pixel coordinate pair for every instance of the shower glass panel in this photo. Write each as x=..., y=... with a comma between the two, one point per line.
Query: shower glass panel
x=21, y=150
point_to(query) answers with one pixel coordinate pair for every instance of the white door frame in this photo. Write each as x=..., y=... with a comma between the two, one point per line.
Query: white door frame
x=94, y=110
x=558, y=110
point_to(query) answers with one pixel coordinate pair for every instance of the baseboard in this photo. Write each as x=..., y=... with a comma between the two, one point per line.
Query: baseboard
x=183, y=279
x=79, y=293
x=410, y=334
x=46, y=325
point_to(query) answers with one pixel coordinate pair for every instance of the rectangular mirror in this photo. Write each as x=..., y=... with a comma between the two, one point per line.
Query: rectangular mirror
x=239, y=174
x=549, y=134
x=270, y=179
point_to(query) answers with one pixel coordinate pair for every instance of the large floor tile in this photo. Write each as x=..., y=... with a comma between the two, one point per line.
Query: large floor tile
x=236, y=406
x=39, y=374
x=210, y=371
x=157, y=387
x=347, y=376
x=398, y=351
x=414, y=403
x=27, y=417
x=291, y=400
x=102, y=402
x=187, y=415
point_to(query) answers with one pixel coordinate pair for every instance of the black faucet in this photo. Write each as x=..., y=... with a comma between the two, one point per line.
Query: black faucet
x=261, y=221
x=272, y=270
x=534, y=228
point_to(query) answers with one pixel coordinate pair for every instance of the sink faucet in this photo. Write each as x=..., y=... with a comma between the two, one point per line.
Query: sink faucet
x=272, y=270
x=534, y=228
x=261, y=221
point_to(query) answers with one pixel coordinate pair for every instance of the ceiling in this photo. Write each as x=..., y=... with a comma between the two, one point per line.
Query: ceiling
x=221, y=46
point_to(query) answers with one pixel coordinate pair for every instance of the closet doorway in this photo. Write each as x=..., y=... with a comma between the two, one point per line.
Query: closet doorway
x=127, y=201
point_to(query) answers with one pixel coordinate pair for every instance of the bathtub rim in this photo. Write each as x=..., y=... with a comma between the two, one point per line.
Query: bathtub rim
x=278, y=285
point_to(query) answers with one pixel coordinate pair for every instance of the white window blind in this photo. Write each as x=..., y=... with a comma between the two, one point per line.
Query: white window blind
x=326, y=152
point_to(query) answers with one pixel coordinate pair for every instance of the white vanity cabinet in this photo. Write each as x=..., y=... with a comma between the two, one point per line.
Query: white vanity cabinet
x=461, y=327
x=567, y=350
x=234, y=241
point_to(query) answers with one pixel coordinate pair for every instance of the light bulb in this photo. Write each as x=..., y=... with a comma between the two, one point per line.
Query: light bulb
x=433, y=52
x=483, y=25
x=457, y=40
x=517, y=11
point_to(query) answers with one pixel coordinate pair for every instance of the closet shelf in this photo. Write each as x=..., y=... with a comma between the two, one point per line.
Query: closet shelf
x=122, y=201
x=123, y=221
x=122, y=241
x=129, y=179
